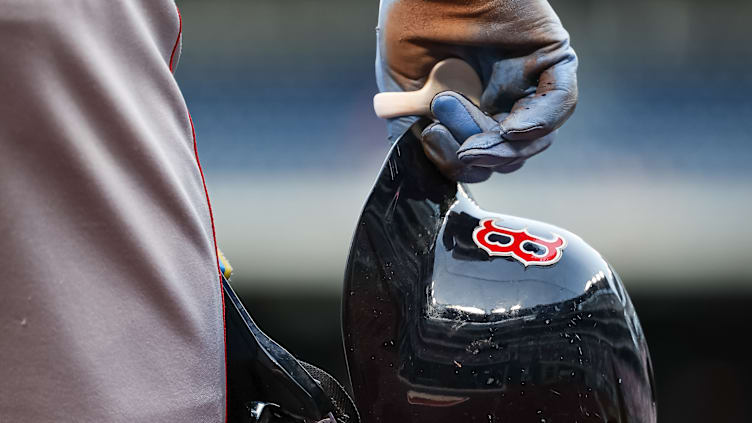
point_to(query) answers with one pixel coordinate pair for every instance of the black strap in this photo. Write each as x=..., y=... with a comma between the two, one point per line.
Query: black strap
x=264, y=378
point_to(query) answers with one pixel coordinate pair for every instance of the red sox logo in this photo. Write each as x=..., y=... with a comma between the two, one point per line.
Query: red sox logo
x=517, y=241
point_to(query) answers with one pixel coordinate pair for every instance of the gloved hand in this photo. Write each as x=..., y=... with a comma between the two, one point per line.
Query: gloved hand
x=528, y=69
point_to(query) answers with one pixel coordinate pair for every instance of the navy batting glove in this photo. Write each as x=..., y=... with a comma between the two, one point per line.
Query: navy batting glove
x=467, y=145
x=522, y=54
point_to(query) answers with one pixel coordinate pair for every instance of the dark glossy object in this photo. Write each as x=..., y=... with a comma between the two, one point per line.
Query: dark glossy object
x=259, y=371
x=437, y=330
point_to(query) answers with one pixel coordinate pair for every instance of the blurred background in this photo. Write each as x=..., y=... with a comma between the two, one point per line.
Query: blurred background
x=652, y=169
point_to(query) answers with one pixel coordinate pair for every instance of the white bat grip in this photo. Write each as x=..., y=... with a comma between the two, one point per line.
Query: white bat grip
x=448, y=75
x=390, y=105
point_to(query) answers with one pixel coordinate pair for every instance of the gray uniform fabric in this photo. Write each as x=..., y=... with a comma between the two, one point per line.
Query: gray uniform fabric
x=111, y=307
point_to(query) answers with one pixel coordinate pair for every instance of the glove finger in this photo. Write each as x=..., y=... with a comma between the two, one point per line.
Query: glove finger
x=489, y=149
x=545, y=110
x=539, y=88
x=441, y=148
x=510, y=167
x=460, y=115
x=507, y=84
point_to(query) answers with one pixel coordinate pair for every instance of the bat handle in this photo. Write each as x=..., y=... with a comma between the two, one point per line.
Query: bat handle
x=396, y=104
x=448, y=75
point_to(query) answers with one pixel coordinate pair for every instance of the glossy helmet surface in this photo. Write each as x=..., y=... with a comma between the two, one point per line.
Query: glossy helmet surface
x=455, y=314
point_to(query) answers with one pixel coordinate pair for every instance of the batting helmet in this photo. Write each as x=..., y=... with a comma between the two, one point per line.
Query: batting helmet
x=455, y=314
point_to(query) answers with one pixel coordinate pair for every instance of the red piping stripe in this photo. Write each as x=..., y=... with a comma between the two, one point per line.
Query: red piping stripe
x=177, y=40
x=216, y=255
x=211, y=213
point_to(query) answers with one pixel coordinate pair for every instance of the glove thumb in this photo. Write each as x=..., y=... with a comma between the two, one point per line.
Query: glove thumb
x=458, y=114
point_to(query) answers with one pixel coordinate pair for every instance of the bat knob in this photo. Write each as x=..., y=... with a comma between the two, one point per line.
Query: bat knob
x=448, y=75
